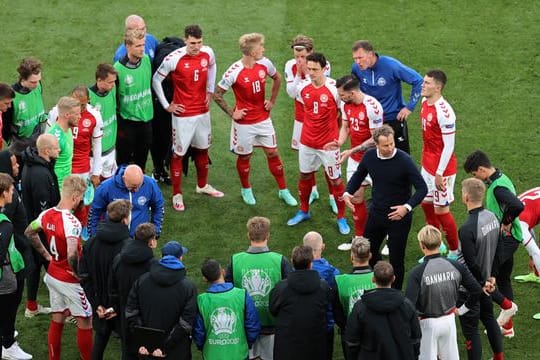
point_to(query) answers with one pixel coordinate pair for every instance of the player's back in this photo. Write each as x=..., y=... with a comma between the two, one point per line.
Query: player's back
x=531, y=213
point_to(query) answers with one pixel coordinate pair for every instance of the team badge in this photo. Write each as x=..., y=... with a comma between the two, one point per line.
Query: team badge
x=179, y=149
x=429, y=117
x=86, y=123
x=223, y=320
x=262, y=74
x=22, y=106
x=256, y=282
x=381, y=81
x=324, y=98
x=204, y=63
x=361, y=116
x=142, y=200
x=128, y=80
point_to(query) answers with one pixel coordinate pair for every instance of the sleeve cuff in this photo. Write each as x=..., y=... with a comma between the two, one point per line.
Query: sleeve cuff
x=409, y=207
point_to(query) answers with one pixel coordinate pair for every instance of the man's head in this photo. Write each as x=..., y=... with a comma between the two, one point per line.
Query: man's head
x=360, y=251
x=106, y=76
x=146, y=232
x=384, y=140
x=472, y=191
x=429, y=238
x=29, y=72
x=119, y=211
x=69, y=111
x=433, y=85
x=14, y=165
x=174, y=248
x=258, y=228
x=316, y=62
x=364, y=54
x=80, y=92
x=133, y=178
x=302, y=257
x=73, y=189
x=252, y=45
x=134, y=41
x=478, y=165
x=135, y=22
x=193, y=37
x=315, y=241
x=348, y=89
x=47, y=146
x=302, y=46
x=6, y=96
x=6, y=188
x=383, y=274
x=212, y=271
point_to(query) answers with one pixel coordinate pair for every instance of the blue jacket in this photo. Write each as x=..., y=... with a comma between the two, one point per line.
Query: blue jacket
x=148, y=199
x=252, y=324
x=327, y=272
x=149, y=48
x=383, y=82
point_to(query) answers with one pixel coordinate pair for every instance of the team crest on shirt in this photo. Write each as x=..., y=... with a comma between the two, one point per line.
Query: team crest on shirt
x=22, y=106
x=179, y=148
x=86, y=123
x=223, y=320
x=142, y=200
x=204, y=62
x=262, y=74
x=381, y=81
x=430, y=117
x=324, y=98
x=128, y=80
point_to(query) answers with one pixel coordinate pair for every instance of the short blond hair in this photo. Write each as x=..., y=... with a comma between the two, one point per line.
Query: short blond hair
x=133, y=35
x=474, y=188
x=248, y=42
x=430, y=237
x=73, y=185
x=66, y=104
x=360, y=248
x=258, y=228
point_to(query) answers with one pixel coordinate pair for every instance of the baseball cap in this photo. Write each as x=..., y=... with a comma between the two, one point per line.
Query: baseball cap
x=173, y=248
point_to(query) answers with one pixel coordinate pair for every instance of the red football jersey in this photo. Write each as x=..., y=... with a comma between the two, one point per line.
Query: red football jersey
x=321, y=113
x=192, y=77
x=58, y=225
x=531, y=213
x=362, y=119
x=249, y=88
x=437, y=120
x=90, y=127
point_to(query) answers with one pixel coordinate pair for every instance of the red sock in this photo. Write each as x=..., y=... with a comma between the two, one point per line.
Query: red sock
x=328, y=182
x=429, y=214
x=304, y=190
x=506, y=304
x=360, y=218
x=31, y=305
x=509, y=324
x=84, y=343
x=498, y=356
x=337, y=191
x=176, y=173
x=276, y=168
x=55, y=340
x=201, y=163
x=242, y=166
x=450, y=229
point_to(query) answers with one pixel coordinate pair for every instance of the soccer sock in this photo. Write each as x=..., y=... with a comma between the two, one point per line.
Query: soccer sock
x=31, y=305
x=429, y=214
x=360, y=218
x=201, y=163
x=276, y=168
x=506, y=304
x=498, y=356
x=329, y=183
x=450, y=229
x=338, y=191
x=55, y=340
x=509, y=324
x=242, y=166
x=176, y=173
x=84, y=343
x=304, y=190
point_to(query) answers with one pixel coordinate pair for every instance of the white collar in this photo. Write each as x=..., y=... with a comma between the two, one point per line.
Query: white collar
x=386, y=157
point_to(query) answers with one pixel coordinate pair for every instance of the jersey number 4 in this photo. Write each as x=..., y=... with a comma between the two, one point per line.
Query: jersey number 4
x=52, y=248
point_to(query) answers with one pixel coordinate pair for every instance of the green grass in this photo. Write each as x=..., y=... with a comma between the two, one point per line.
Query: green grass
x=489, y=50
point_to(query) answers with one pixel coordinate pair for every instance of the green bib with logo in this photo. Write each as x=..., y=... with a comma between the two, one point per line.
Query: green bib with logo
x=134, y=91
x=351, y=287
x=258, y=274
x=28, y=111
x=493, y=206
x=106, y=105
x=15, y=258
x=223, y=317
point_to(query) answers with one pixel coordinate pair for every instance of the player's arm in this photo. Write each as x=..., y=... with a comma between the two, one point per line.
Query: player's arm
x=447, y=124
x=97, y=161
x=222, y=103
x=510, y=204
x=276, y=84
x=413, y=78
x=211, y=79
x=160, y=75
x=32, y=233
x=72, y=254
x=158, y=210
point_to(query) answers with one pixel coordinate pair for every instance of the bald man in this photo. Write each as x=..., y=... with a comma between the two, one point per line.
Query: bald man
x=142, y=191
x=137, y=22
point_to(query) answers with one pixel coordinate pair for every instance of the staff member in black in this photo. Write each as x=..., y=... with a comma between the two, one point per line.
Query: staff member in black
x=393, y=173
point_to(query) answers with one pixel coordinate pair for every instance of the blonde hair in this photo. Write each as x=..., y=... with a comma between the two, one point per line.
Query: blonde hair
x=258, y=228
x=73, y=185
x=248, y=42
x=66, y=104
x=360, y=248
x=133, y=35
x=474, y=188
x=430, y=237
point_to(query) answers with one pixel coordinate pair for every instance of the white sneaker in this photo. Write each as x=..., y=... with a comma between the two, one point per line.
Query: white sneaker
x=506, y=315
x=40, y=310
x=345, y=246
x=178, y=202
x=14, y=352
x=209, y=190
x=385, y=250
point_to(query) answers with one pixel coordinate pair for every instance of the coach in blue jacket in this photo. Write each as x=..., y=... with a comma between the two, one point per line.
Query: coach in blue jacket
x=393, y=173
x=381, y=77
x=142, y=191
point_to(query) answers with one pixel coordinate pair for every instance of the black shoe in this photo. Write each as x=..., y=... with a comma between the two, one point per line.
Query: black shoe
x=162, y=177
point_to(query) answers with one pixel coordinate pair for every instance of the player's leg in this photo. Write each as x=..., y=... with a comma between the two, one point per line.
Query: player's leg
x=80, y=308
x=401, y=134
x=331, y=197
x=161, y=142
x=59, y=311
x=241, y=143
x=428, y=343
x=142, y=144
x=442, y=201
x=332, y=168
x=376, y=230
x=447, y=337
x=469, y=327
x=492, y=328
x=182, y=132
x=360, y=208
x=427, y=203
x=33, y=277
x=398, y=232
x=530, y=244
x=295, y=145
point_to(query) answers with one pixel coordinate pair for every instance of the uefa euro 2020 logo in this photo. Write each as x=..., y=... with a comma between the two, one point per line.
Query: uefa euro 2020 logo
x=256, y=282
